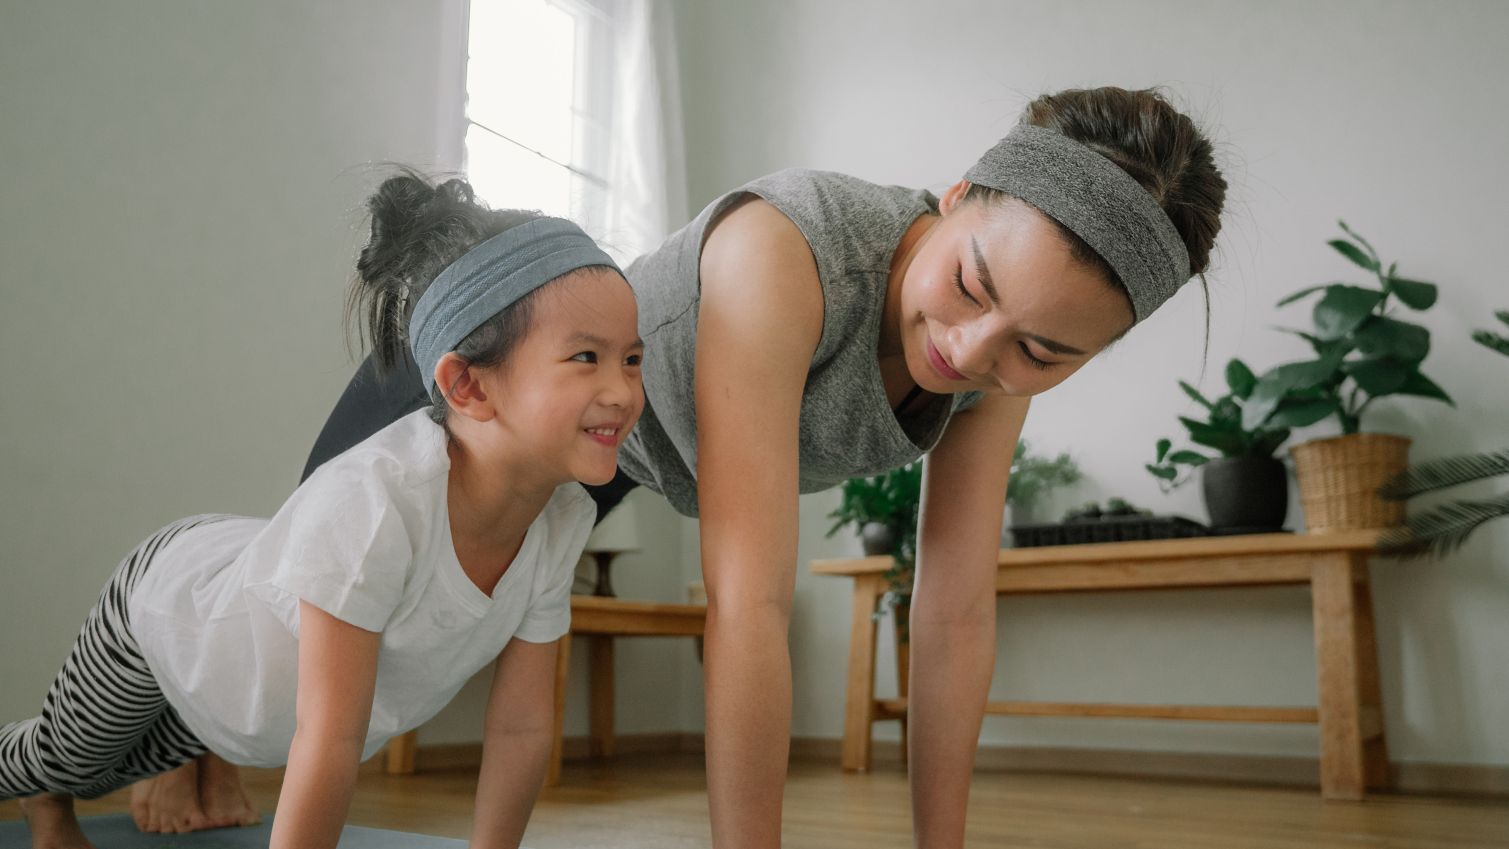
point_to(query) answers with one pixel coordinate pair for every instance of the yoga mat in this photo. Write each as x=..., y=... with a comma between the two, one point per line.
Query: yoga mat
x=117, y=831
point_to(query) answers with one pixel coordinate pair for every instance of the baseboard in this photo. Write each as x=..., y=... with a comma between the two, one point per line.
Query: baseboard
x=1283, y=771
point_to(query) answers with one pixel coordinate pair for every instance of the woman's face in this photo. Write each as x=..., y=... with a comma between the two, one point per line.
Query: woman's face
x=994, y=301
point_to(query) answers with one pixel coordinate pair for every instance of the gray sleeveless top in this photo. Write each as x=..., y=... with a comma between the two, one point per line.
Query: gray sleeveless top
x=847, y=426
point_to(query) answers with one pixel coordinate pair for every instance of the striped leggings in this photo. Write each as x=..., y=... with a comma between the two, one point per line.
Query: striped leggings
x=104, y=723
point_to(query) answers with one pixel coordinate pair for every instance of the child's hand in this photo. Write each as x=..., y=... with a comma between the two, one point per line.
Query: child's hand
x=337, y=676
x=518, y=736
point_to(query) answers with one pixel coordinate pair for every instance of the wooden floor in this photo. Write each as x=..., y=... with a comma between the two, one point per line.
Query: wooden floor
x=658, y=801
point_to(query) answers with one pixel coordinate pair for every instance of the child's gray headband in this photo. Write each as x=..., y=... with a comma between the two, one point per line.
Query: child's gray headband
x=491, y=276
x=1098, y=201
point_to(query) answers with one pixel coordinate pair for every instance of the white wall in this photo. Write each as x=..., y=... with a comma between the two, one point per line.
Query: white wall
x=1390, y=115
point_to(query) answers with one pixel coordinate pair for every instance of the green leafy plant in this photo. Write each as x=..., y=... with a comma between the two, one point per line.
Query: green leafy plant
x=1444, y=529
x=893, y=500
x=1033, y=476
x=1363, y=352
x=1223, y=429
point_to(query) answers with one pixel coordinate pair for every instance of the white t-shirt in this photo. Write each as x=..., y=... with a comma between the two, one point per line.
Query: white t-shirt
x=367, y=539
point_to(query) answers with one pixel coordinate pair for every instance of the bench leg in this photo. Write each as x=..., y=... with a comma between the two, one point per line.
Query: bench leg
x=902, y=619
x=562, y=672
x=859, y=702
x=1339, y=667
x=600, y=738
x=1374, y=744
x=401, y=753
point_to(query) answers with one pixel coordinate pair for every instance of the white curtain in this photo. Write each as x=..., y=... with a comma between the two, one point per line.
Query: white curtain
x=646, y=198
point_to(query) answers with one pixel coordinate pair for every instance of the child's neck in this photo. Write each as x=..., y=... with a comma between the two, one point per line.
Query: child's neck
x=492, y=500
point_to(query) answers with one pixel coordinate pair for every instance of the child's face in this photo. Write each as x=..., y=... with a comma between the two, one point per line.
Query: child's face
x=572, y=389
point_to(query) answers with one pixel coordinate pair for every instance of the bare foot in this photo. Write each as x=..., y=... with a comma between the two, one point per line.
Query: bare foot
x=169, y=803
x=221, y=795
x=53, y=824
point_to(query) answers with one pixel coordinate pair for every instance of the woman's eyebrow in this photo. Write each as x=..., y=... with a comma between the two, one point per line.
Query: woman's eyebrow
x=983, y=272
x=1055, y=347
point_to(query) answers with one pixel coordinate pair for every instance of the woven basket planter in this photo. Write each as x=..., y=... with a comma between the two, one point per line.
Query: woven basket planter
x=1339, y=479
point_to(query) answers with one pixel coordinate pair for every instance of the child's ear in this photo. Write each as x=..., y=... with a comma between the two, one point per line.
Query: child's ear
x=463, y=388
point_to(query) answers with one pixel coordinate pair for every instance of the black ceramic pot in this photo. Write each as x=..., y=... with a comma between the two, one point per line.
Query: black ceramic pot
x=1246, y=493
x=877, y=538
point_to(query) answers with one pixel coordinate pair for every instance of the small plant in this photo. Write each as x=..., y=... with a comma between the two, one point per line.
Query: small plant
x=891, y=499
x=1033, y=476
x=1363, y=351
x=1444, y=529
x=1223, y=429
x=1115, y=508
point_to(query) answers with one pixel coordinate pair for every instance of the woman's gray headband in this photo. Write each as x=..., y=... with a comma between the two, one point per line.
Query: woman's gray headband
x=491, y=276
x=1098, y=201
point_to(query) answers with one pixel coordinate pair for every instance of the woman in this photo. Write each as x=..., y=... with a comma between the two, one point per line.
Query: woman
x=811, y=327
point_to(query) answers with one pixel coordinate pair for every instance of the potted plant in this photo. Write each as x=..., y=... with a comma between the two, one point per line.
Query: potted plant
x=1445, y=528
x=1032, y=477
x=1363, y=352
x=1246, y=488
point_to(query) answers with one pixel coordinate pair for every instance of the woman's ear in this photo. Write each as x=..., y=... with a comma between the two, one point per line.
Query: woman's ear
x=953, y=197
x=462, y=387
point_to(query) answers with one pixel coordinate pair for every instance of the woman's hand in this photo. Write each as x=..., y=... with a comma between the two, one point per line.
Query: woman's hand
x=516, y=743
x=337, y=676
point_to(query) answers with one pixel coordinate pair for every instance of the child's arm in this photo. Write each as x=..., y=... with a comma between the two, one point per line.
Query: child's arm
x=516, y=743
x=337, y=675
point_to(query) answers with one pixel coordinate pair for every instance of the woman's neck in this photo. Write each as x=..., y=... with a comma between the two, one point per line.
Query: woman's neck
x=893, y=370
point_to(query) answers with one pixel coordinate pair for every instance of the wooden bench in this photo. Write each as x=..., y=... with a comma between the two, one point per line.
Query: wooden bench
x=600, y=620
x=1353, y=754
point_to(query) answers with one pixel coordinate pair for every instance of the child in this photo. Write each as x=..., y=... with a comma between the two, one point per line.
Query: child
x=446, y=540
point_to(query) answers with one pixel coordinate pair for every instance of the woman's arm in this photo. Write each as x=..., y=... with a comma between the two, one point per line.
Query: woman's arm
x=757, y=328
x=516, y=742
x=337, y=675
x=953, y=618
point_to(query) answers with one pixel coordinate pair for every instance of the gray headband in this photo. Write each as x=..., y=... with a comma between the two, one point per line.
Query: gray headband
x=488, y=278
x=1098, y=201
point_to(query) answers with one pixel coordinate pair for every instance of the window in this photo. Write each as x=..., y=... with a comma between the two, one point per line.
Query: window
x=538, y=92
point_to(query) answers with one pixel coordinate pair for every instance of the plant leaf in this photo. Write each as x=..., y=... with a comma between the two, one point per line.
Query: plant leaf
x=1342, y=309
x=1188, y=458
x=1267, y=441
x=1228, y=442
x=1301, y=413
x=1421, y=386
x=1443, y=530
x=1294, y=296
x=1163, y=446
x=1195, y=394
x=1492, y=341
x=1354, y=253
x=1380, y=376
x=1240, y=378
x=1167, y=473
x=1361, y=241
x=1415, y=294
x=1382, y=336
x=1445, y=472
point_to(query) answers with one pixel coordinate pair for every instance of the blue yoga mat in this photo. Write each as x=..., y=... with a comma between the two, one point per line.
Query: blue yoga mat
x=117, y=831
